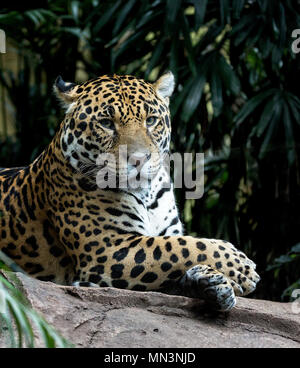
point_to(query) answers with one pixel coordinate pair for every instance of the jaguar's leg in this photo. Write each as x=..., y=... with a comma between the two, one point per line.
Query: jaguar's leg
x=150, y=263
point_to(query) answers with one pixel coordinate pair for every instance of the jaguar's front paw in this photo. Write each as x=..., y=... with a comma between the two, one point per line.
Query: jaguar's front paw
x=202, y=281
x=235, y=265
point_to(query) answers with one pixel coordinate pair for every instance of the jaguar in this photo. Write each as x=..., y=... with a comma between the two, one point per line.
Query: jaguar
x=59, y=224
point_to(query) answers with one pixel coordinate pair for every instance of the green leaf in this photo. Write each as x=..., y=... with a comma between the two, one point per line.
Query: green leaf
x=252, y=104
x=263, y=5
x=20, y=313
x=216, y=92
x=266, y=115
x=23, y=325
x=288, y=291
x=104, y=19
x=10, y=18
x=138, y=36
x=177, y=101
x=148, y=17
x=172, y=10
x=156, y=56
x=122, y=16
x=76, y=31
x=224, y=12
x=283, y=259
x=282, y=26
x=35, y=16
x=188, y=44
x=289, y=135
x=193, y=98
x=295, y=248
x=174, y=58
x=75, y=10
x=251, y=41
x=200, y=10
x=237, y=6
x=266, y=48
x=228, y=76
x=294, y=105
x=271, y=130
x=209, y=38
x=276, y=55
x=240, y=34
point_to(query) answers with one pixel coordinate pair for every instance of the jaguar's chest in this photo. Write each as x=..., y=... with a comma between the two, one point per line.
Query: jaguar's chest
x=149, y=212
x=158, y=209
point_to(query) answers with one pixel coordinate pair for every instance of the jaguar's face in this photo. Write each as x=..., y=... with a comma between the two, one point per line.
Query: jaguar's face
x=123, y=117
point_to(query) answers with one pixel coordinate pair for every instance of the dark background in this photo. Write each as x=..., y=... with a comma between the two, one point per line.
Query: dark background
x=236, y=100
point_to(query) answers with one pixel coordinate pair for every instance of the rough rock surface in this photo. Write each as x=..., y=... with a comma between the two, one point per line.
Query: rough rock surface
x=107, y=317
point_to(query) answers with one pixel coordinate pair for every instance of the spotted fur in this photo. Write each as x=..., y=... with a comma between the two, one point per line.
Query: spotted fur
x=58, y=226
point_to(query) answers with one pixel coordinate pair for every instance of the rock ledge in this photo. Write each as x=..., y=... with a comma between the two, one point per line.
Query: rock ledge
x=111, y=318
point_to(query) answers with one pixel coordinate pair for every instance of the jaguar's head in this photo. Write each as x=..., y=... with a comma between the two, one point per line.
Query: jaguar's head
x=116, y=115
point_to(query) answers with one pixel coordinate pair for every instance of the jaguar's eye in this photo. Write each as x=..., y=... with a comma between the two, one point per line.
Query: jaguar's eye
x=151, y=120
x=107, y=123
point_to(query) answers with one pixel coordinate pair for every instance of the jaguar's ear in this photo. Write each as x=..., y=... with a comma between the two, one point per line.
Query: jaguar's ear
x=165, y=85
x=65, y=91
